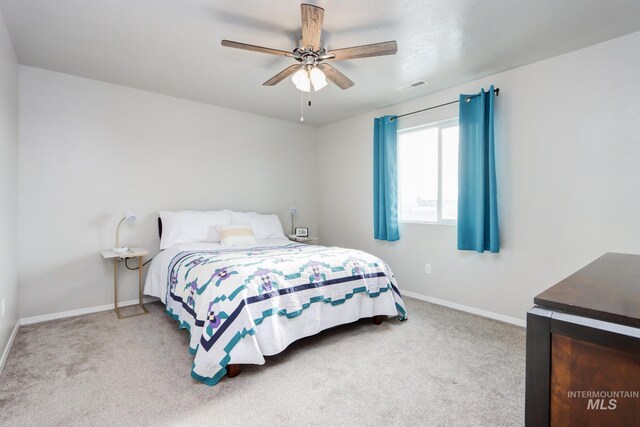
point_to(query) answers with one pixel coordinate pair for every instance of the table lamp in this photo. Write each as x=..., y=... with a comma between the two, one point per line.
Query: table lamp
x=293, y=211
x=129, y=217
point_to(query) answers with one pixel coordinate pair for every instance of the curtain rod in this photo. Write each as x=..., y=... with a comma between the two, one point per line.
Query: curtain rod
x=497, y=91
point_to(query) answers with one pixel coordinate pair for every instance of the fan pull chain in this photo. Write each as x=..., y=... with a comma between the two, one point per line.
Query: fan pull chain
x=301, y=106
x=310, y=90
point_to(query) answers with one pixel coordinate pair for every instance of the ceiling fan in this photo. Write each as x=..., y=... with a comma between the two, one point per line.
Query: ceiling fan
x=311, y=70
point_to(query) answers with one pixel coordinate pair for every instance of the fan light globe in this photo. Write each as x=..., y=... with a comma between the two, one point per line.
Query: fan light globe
x=301, y=80
x=318, y=79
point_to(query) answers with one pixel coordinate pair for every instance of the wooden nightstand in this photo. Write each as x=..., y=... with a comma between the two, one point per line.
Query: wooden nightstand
x=306, y=240
x=116, y=256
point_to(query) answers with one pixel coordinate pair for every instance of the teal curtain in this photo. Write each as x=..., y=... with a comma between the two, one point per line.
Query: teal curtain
x=385, y=178
x=477, y=189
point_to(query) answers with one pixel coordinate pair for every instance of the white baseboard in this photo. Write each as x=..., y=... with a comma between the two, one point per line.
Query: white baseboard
x=472, y=310
x=7, y=348
x=81, y=311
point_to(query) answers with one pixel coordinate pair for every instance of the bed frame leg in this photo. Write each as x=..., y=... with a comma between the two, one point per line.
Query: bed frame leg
x=233, y=370
x=377, y=320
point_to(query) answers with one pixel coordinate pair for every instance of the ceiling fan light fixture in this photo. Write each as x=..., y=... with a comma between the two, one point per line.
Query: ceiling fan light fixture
x=311, y=70
x=318, y=79
x=301, y=80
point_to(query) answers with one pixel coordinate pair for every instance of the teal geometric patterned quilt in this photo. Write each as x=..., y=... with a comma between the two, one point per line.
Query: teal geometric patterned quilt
x=223, y=296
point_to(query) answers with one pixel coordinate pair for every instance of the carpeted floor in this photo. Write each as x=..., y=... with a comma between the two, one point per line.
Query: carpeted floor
x=440, y=368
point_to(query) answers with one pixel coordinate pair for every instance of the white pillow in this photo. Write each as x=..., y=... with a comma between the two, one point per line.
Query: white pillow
x=237, y=235
x=264, y=226
x=191, y=227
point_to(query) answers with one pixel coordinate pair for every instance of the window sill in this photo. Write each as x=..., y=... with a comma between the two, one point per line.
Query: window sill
x=454, y=223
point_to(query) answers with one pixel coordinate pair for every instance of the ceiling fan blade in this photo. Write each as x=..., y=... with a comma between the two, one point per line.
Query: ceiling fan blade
x=312, y=17
x=282, y=75
x=336, y=77
x=254, y=48
x=364, y=51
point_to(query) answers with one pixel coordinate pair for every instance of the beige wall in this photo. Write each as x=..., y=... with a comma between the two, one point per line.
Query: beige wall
x=89, y=150
x=568, y=159
x=568, y=150
x=8, y=185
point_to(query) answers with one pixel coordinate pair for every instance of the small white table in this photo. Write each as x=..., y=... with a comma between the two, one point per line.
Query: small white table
x=116, y=256
x=307, y=240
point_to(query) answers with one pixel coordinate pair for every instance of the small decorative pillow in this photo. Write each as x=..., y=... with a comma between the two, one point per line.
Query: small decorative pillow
x=237, y=235
x=264, y=226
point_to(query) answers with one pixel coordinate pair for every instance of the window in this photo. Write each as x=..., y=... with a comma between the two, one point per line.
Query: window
x=428, y=173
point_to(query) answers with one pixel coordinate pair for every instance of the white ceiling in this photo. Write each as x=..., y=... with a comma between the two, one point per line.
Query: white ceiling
x=173, y=46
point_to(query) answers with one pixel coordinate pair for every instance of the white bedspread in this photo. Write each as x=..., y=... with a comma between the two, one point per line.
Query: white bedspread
x=240, y=304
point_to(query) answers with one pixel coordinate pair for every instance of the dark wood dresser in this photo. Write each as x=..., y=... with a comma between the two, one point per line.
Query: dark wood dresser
x=583, y=348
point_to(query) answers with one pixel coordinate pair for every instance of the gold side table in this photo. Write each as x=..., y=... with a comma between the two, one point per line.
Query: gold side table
x=139, y=253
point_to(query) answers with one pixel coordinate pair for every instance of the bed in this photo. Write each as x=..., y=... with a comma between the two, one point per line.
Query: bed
x=242, y=303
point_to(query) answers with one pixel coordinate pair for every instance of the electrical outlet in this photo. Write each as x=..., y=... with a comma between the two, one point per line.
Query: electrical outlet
x=2, y=306
x=427, y=268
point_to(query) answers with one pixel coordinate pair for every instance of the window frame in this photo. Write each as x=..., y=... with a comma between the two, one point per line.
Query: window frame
x=440, y=125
